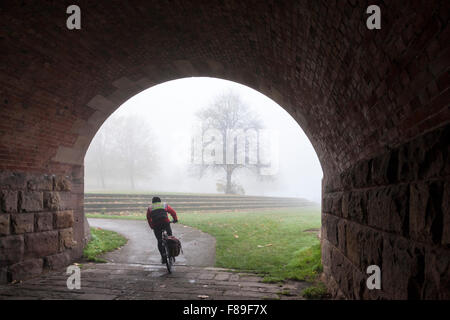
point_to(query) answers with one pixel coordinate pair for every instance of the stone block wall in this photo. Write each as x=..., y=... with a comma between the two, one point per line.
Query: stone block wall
x=391, y=211
x=41, y=222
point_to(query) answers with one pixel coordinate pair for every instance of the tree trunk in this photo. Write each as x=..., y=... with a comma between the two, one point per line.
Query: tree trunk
x=228, y=189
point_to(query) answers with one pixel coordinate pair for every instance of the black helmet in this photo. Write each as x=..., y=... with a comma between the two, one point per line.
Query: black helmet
x=156, y=199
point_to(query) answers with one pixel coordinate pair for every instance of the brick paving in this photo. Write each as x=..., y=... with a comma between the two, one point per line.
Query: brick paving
x=116, y=281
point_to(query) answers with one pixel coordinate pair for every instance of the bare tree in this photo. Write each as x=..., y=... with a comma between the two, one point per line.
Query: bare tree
x=134, y=148
x=227, y=140
x=124, y=148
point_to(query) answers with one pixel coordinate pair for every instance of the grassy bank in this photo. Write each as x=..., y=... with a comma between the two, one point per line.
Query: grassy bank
x=273, y=243
x=102, y=241
x=277, y=244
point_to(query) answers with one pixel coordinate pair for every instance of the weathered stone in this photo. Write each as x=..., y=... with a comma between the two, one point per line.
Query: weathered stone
x=342, y=237
x=384, y=168
x=353, y=238
x=332, y=204
x=442, y=267
x=11, y=249
x=332, y=183
x=44, y=221
x=326, y=252
x=62, y=183
x=26, y=269
x=431, y=280
x=63, y=219
x=30, y=201
x=57, y=261
x=40, y=183
x=329, y=226
x=69, y=200
x=3, y=275
x=8, y=201
x=342, y=271
x=41, y=244
x=361, y=175
x=423, y=158
x=402, y=268
x=22, y=223
x=346, y=179
x=86, y=231
x=387, y=209
x=12, y=180
x=446, y=214
x=406, y=168
x=66, y=239
x=344, y=204
x=432, y=146
x=52, y=201
x=357, y=176
x=370, y=248
x=356, y=206
x=426, y=220
x=4, y=224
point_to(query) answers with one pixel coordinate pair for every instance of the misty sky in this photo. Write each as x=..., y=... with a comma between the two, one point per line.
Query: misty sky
x=169, y=110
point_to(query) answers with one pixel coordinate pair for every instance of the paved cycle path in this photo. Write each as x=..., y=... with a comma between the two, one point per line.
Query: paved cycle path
x=199, y=248
x=135, y=272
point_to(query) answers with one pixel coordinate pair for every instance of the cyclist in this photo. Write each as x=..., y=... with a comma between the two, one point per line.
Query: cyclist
x=158, y=220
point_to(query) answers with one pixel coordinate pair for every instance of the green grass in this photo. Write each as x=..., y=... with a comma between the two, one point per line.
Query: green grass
x=102, y=241
x=136, y=216
x=316, y=291
x=272, y=243
x=265, y=242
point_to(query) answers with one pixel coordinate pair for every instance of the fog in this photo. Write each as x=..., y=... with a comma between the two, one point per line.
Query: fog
x=151, y=133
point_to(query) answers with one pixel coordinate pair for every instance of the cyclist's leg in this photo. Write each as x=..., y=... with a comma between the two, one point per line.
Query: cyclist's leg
x=158, y=234
x=168, y=229
x=169, y=233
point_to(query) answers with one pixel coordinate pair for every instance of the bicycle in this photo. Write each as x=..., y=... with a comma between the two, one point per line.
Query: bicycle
x=170, y=260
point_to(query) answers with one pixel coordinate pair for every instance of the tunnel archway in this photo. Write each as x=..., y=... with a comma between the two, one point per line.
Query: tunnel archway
x=374, y=104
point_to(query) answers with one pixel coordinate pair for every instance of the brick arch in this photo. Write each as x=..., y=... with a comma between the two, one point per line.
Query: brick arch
x=373, y=103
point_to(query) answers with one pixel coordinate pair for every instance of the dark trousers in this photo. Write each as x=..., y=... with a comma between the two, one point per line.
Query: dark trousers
x=158, y=234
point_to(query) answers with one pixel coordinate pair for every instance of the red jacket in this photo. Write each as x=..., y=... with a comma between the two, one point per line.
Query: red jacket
x=168, y=209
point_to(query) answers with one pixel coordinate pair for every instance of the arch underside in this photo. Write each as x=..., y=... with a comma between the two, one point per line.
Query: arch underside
x=374, y=104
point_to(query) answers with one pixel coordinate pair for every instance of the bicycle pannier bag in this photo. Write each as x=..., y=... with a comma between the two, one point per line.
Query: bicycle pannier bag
x=174, y=246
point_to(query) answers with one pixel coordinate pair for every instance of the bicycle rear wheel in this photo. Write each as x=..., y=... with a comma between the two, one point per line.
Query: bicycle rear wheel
x=169, y=261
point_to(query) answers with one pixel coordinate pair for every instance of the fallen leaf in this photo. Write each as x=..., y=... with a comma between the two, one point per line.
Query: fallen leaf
x=236, y=236
x=203, y=296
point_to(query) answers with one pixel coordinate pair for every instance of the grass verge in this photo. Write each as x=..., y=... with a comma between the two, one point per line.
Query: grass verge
x=278, y=244
x=102, y=241
x=265, y=242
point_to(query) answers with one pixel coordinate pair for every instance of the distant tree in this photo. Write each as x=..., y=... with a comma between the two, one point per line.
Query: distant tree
x=123, y=148
x=235, y=188
x=227, y=140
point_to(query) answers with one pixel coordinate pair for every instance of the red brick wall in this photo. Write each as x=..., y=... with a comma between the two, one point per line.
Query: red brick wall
x=356, y=93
